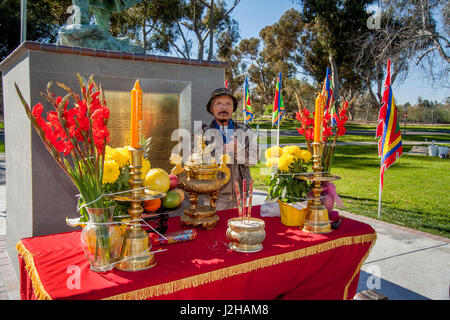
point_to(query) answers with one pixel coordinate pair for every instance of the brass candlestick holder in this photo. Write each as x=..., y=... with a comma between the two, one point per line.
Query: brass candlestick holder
x=317, y=219
x=135, y=254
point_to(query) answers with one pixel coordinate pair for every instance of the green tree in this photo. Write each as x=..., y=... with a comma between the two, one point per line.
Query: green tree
x=151, y=24
x=203, y=20
x=331, y=27
x=43, y=20
x=261, y=59
x=413, y=31
x=181, y=27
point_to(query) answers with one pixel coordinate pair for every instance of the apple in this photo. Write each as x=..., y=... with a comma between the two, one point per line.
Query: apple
x=173, y=181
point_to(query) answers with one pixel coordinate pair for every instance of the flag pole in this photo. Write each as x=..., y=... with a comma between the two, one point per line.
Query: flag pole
x=23, y=20
x=380, y=192
x=278, y=134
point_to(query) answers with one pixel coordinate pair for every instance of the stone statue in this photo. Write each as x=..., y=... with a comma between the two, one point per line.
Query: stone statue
x=79, y=32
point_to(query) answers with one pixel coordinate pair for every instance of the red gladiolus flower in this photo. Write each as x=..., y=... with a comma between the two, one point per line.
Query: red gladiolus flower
x=327, y=116
x=327, y=132
x=309, y=134
x=341, y=131
x=37, y=113
x=77, y=128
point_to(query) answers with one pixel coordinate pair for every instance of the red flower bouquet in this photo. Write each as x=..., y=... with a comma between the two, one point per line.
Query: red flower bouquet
x=74, y=131
x=333, y=127
x=77, y=132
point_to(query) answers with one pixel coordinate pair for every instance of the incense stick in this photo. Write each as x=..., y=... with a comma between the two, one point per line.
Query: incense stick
x=238, y=198
x=244, y=199
x=249, y=210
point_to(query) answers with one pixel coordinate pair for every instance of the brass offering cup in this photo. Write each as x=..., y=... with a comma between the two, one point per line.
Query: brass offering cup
x=246, y=235
x=201, y=178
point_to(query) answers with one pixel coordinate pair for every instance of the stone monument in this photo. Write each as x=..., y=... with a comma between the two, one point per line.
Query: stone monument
x=79, y=32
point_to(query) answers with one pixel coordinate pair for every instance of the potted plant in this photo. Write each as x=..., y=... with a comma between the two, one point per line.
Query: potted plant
x=289, y=191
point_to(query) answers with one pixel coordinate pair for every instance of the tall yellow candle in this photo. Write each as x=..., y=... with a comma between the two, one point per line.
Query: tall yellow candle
x=136, y=115
x=318, y=119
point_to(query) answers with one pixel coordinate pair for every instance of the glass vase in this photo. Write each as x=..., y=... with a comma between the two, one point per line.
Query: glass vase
x=101, y=239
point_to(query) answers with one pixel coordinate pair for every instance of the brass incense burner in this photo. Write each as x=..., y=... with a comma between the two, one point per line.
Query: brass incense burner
x=200, y=178
x=246, y=235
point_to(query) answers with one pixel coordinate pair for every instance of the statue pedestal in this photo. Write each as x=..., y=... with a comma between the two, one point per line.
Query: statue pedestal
x=39, y=196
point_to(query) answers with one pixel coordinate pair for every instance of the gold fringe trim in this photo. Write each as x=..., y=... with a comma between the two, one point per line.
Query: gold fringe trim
x=208, y=277
x=38, y=287
x=358, y=268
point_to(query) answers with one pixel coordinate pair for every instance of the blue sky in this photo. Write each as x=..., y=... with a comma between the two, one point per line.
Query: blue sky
x=253, y=15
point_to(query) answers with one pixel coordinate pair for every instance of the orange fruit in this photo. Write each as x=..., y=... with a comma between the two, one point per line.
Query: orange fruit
x=152, y=205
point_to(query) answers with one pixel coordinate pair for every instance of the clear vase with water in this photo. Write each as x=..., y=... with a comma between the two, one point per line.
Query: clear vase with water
x=101, y=239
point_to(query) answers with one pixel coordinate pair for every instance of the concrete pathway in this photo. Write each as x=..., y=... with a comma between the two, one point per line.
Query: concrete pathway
x=9, y=284
x=405, y=264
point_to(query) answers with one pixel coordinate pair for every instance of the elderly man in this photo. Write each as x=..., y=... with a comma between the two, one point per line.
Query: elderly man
x=238, y=141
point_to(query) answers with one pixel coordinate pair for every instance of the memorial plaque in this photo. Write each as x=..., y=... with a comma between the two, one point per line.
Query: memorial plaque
x=159, y=116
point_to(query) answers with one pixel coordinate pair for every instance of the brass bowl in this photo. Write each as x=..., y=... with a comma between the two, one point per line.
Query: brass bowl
x=201, y=179
x=246, y=235
x=202, y=171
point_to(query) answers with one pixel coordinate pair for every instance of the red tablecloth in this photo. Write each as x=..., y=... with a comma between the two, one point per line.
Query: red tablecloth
x=292, y=265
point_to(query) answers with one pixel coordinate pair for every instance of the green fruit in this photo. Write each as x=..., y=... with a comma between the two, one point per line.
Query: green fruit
x=171, y=200
x=180, y=192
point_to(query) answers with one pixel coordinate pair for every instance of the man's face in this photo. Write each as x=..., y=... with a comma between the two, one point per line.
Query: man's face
x=222, y=108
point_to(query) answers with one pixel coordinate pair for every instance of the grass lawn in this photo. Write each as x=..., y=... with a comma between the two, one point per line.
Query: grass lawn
x=366, y=134
x=439, y=139
x=415, y=193
x=416, y=188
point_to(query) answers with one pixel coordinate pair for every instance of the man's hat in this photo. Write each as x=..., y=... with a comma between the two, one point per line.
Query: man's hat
x=221, y=92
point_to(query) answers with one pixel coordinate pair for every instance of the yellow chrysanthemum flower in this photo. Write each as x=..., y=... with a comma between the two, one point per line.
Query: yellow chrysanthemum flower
x=272, y=162
x=305, y=155
x=121, y=156
x=274, y=152
x=111, y=171
x=146, y=166
x=292, y=150
x=285, y=161
x=108, y=153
